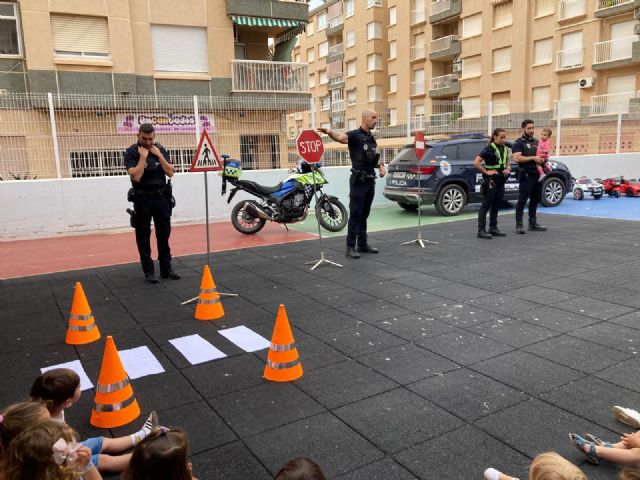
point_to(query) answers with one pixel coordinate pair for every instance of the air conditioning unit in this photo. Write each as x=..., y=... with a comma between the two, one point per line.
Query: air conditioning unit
x=457, y=67
x=587, y=82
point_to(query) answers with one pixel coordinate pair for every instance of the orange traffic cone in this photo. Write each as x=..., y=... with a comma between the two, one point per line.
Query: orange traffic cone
x=115, y=402
x=209, y=305
x=82, y=327
x=283, y=363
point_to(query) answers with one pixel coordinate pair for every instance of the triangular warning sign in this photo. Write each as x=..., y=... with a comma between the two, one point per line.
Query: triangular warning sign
x=206, y=158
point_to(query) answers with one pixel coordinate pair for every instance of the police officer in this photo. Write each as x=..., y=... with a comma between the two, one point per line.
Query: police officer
x=524, y=153
x=364, y=159
x=495, y=172
x=148, y=165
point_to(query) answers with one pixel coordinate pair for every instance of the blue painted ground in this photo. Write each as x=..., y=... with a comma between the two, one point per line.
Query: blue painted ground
x=623, y=208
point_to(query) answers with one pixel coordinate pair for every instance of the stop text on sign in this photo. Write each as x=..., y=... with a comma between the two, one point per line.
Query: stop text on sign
x=310, y=146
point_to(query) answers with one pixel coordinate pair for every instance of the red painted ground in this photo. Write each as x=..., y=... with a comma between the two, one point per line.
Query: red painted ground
x=22, y=258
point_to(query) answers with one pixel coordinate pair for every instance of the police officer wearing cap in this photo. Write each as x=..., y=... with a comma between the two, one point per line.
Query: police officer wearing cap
x=524, y=153
x=495, y=173
x=148, y=165
x=364, y=159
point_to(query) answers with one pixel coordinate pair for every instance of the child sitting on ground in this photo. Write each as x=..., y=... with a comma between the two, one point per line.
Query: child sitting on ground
x=59, y=389
x=48, y=451
x=17, y=418
x=624, y=452
x=163, y=455
x=300, y=468
x=544, y=148
x=546, y=466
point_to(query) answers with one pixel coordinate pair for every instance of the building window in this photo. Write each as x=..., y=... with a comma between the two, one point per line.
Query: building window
x=351, y=97
x=352, y=124
x=374, y=30
x=312, y=80
x=322, y=21
x=311, y=55
x=393, y=83
x=502, y=59
x=323, y=49
x=309, y=29
x=471, y=66
x=374, y=62
x=472, y=26
x=325, y=103
x=350, y=38
x=541, y=99
x=544, y=8
x=77, y=36
x=393, y=116
x=470, y=107
x=296, y=58
x=543, y=51
x=322, y=77
x=569, y=99
x=179, y=49
x=418, y=87
x=351, y=68
x=501, y=102
x=326, y=125
x=503, y=15
x=349, y=8
x=374, y=93
x=9, y=30
x=393, y=15
x=393, y=49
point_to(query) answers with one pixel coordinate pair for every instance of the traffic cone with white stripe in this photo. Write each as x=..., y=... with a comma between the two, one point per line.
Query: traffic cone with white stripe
x=115, y=403
x=82, y=326
x=209, y=304
x=283, y=363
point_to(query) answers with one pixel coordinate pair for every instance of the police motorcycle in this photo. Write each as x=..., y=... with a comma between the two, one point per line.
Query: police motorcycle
x=287, y=202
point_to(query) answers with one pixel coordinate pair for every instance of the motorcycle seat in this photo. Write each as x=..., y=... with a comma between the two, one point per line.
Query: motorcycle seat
x=260, y=188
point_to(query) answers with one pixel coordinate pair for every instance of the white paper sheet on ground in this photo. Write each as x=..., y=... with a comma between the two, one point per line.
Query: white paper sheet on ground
x=196, y=349
x=246, y=339
x=76, y=366
x=140, y=362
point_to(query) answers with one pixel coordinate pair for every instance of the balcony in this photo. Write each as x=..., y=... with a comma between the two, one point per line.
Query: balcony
x=417, y=52
x=373, y=3
x=337, y=106
x=444, y=49
x=335, y=25
x=445, y=10
x=568, y=9
x=613, y=53
x=569, y=59
x=336, y=82
x=612, y=103
x=418, y=123
x=325, y=104
x=444, y=86
x=440, y=119
x=606, y=8
x=265, y=76
x=294, y=10
x=418, y=16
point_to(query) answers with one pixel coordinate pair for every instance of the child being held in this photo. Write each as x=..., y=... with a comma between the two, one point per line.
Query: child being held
x=544, y=148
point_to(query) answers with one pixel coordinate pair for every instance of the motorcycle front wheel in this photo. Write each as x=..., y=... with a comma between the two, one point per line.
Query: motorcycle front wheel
x=243, y=222
x=331, y=214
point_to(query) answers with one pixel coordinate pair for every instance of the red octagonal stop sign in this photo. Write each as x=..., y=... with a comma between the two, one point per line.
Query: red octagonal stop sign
x=310, y=146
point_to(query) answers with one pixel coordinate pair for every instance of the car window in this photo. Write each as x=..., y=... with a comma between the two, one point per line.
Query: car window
x=470, y=150
x=450, y=152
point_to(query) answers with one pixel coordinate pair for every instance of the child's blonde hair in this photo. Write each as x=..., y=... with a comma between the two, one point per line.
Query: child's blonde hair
x=548, y=131
x=18, y=417
x=551, y=466
x=629, y=473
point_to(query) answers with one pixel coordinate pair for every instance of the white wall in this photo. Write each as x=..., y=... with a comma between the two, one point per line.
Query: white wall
x=603, y=166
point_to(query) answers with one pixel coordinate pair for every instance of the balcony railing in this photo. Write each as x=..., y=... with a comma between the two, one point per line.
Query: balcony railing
x=444, y=81
x=417, y=52
x=612, y=50
x=336, y=49
x=568, y=108
x=571, y=8
x=418, y=16
x=337, y=106
x=417, y=88
x=337, y=80
x=443, y=43
x=612, y=103
x=440, y=119
x=374, y=3
x=418, y=122
x=570, y=58
x=336, y=21
x=325, y=105
x=604, y=4
x=265, y=76
x=440, y=6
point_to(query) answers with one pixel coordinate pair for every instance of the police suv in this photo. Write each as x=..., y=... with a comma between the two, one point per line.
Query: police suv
x=447, y=178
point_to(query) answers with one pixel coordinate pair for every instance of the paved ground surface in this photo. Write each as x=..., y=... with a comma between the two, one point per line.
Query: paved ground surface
x=429, y=364
x=623, y=208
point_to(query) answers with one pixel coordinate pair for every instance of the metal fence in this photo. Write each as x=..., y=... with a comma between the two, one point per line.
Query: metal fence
x=65, y=136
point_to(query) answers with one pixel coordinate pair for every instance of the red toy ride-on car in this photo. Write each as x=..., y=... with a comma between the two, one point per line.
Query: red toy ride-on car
x=612, y=186
x=629, y=188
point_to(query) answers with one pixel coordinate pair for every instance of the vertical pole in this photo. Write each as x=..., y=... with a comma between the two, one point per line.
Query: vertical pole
x=619, y=132
x=312, y=103
x=54, y=135
x=408, y=121
x=489, y=118
x=558, y=126
x=196, y=116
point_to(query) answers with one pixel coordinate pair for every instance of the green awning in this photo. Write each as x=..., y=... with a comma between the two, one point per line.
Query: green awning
x=264, y=22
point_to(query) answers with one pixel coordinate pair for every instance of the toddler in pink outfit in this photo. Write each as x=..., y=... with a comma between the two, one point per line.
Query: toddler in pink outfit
x=544, y=147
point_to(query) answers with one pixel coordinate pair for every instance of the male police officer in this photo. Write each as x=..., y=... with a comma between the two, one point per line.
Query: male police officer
x=524, y=153
x=148, y=165
x=364, y=158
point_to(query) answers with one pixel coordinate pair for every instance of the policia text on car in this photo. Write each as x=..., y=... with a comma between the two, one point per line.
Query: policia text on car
x=148, y=164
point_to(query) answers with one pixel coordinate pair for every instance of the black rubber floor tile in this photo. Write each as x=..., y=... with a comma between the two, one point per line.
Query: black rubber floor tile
x=422, y=281
x=264, y=407
x=332, y=445
x=361, y=340
x=325, y=321
x=158, y=316
x=315, y=354
x=343, y=383
x=269, y=294
x=463, y=315
x=503, y=304
x=463, y=347
x=514, y=332
x=232, y=462
x=373, y=311
x=468, y=394
x=163, y=391
x=23, y=336
x=414, y=326
x=124, y=340
x=28, y=362
x=527, y=373
x=447, y=456
x=592, y=307
x=386, y=469
x=295, y=307
x=538, y=294
x=620, y=296
x=459, y=292
x=342, y=296
x=161, y=334
x=251, y=317
x=611, y=335
x=631, y=320
x=407, y=363
x=418, y=301
x=625, y=374
x=555, y=319
x=384, y=289
x=578, y=354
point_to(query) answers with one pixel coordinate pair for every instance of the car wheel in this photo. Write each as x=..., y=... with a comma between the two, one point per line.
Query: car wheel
x=629, y=192
x=553, y=192
x=451, y=200
x=408, y=206
x=578, y=194
x=616, y=194
x=598, y=197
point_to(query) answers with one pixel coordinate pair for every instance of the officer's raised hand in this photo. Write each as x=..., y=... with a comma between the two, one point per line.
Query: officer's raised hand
x=155, y=150
x=143, y=152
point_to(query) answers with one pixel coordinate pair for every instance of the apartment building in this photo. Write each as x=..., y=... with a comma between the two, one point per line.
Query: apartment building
x=103, y=60
x=455, y=59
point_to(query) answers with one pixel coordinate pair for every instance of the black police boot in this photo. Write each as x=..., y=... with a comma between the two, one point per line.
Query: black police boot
x=150, y=278
x=170, y=274
x=519, y=228
x=483, y=234
x=496, y=232
x=368, y=249
x=351, y=252
x=534, y=226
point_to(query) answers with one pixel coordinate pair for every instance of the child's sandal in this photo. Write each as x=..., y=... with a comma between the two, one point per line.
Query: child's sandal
x=598, y=441
x=580, y=442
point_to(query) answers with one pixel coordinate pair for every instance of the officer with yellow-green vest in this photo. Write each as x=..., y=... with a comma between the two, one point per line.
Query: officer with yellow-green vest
x=493, y=163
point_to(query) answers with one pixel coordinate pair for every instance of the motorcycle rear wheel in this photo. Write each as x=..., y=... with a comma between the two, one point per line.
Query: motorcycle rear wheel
x=331, y=214
x=243, y=222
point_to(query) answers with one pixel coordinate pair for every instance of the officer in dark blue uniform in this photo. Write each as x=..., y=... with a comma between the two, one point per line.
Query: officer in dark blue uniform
x=364, y=159
x=524, y=153
x=148, y=165
x=495, y=172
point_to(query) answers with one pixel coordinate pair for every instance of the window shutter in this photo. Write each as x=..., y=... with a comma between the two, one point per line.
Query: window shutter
x=472, y=25
x=471, y=66
x=81, y=35
x=541, y=98
x=179, y=49
x=503, y=15
x=502, y=59
x=543, y=51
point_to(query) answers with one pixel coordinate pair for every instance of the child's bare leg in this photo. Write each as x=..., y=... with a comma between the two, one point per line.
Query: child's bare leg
x=621, y=456
x=108, y=463
x=116, y=445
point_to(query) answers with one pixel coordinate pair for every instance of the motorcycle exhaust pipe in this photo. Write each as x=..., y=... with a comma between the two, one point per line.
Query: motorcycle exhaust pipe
x=254, y=211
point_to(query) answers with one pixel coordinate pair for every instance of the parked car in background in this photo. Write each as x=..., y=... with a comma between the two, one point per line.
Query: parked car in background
x=586, y=186
x=447, y=178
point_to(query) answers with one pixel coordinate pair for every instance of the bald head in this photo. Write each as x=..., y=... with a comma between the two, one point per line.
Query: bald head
x=369, y=120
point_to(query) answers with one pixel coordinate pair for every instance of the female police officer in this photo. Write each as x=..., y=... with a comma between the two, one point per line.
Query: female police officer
x=495, y=172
